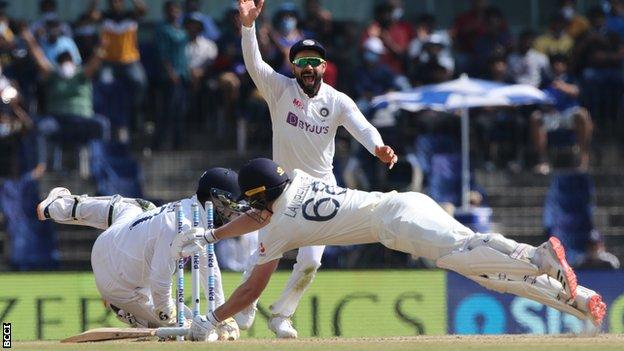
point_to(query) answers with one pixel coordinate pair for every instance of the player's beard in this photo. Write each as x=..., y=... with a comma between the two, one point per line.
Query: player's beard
x=310, y=88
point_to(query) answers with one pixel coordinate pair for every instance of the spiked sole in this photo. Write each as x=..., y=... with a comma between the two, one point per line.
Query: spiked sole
x=597, y=309
x=567, y=277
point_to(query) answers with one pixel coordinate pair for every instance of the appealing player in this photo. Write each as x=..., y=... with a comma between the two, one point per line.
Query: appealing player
x=304, y=210
x=130, y=259
x=305, y=114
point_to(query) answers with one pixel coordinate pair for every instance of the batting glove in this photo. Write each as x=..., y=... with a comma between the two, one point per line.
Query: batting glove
x=191, y=242
x=202, y=327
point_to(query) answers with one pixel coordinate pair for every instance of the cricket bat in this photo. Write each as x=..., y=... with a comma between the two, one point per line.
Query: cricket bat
x=103, y=334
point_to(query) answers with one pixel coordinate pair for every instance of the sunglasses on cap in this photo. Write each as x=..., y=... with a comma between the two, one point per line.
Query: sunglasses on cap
x=302, y=62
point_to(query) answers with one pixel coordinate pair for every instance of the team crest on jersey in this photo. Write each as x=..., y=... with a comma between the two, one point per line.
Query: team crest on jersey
x=261, y=249
x=324, y=112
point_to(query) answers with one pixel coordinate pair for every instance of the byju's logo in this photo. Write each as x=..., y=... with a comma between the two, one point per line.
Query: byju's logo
x=292, y=119
x=6, y=335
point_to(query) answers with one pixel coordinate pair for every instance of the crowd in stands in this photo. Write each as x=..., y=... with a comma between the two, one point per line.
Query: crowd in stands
x=92, y=83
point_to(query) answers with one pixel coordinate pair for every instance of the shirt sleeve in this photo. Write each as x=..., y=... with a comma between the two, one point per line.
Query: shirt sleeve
x=268, y=82
x=270, y=247
x=357, y=125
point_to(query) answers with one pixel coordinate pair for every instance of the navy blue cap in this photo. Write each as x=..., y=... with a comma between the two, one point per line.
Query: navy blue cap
x=261, y=175
x=306, y=44
x=218, y=178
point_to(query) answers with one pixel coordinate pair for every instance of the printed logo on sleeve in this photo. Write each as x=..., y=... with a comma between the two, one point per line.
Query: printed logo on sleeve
x=6, y=335
x=262, y=249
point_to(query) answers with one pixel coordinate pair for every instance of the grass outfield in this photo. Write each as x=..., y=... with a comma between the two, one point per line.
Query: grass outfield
x=603, y=342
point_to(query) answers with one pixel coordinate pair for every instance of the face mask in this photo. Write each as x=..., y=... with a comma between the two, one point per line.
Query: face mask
x=67, y=70
x=397, y=13
x=371, y=57
x=288, y=24
x=567, y=12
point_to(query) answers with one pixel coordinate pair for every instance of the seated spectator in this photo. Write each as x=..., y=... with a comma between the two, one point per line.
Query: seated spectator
x=432, y=65
x=171, y=42
x=555, y=40
x=47, y=12
x=317, y=21
x=375, y=78
x=576, y=24
x=425, y=28
x=395, y=34
x=526, y=64
x=55, y=43
x=467, y=27
x=285, y=33
x=497, y=70
x=210, y=30
x=565, y=113
x=615, y=17
x=496, y=39
x=7, y=38
x=68, y=96
x=596, y=256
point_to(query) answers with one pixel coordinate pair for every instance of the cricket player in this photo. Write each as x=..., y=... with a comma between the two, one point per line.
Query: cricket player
x=304, y=210
x=130, y=259
x=305, y=114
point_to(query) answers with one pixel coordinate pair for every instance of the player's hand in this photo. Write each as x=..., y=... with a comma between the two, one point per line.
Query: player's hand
x=386, y=155
x=202, y=327
x=166, y=312
x=249, y=11
x=228, y=330
x=191, y=242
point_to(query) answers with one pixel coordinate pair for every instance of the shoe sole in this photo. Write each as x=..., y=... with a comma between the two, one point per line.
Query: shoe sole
x=567, y=278
x=597, y=309
x=41, y=209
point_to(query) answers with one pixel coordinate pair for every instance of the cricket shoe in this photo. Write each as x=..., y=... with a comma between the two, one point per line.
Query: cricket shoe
x=282, y=327
x=553, y=263
x=590, y=302
x=55, y=194
x=245, y=318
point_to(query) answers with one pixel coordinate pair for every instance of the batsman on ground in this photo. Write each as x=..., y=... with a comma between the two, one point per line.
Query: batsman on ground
x=304, y=210
x=305, y=114
x=131, y=259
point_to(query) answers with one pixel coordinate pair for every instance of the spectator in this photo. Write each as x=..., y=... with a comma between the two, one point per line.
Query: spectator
x=576, y=24
x=425, y=28
x=565, y=113
x=210, y=29
x=171, y=41
x=68, y=95
x=86, y=33
x=495, y=41
x=285, y=33
x=432, y=65
x=47, y=12
x=597, y=256
x=555, y=40
x=527, y=64
x=122, y=63
x=317, y=22
x=395, y=34
x=55, y=43
x=7, y=38
x=498, y=70
x=375, y=78
x=467, y=27
x=615, y=16
x=200, y=51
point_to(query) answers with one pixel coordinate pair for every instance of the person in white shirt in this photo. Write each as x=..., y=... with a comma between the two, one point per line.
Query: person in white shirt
x=305, y=114
x=130, y=259
x=305, y=210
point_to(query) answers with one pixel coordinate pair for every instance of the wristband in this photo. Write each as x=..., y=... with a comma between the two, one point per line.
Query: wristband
x=210, y=237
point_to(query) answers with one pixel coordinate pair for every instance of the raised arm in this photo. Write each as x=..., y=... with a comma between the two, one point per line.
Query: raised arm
x=268, y=81
x=242, y=225
x=364, y=132
x=43, y=65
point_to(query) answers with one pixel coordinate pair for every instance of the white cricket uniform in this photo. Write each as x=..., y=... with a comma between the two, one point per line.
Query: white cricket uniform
x=304, y=132
x=312, y=212
x=132, y=263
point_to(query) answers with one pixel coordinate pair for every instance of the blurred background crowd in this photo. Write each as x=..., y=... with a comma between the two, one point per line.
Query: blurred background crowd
x=111, y=102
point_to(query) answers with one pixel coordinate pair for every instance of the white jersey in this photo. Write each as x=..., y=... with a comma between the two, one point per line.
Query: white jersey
x=313, y=212
x=139, y=248
x=304, y=128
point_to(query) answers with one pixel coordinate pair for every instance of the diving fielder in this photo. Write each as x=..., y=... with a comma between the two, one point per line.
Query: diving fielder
x=305, y=114
x=130, y=259
x=304, y=210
